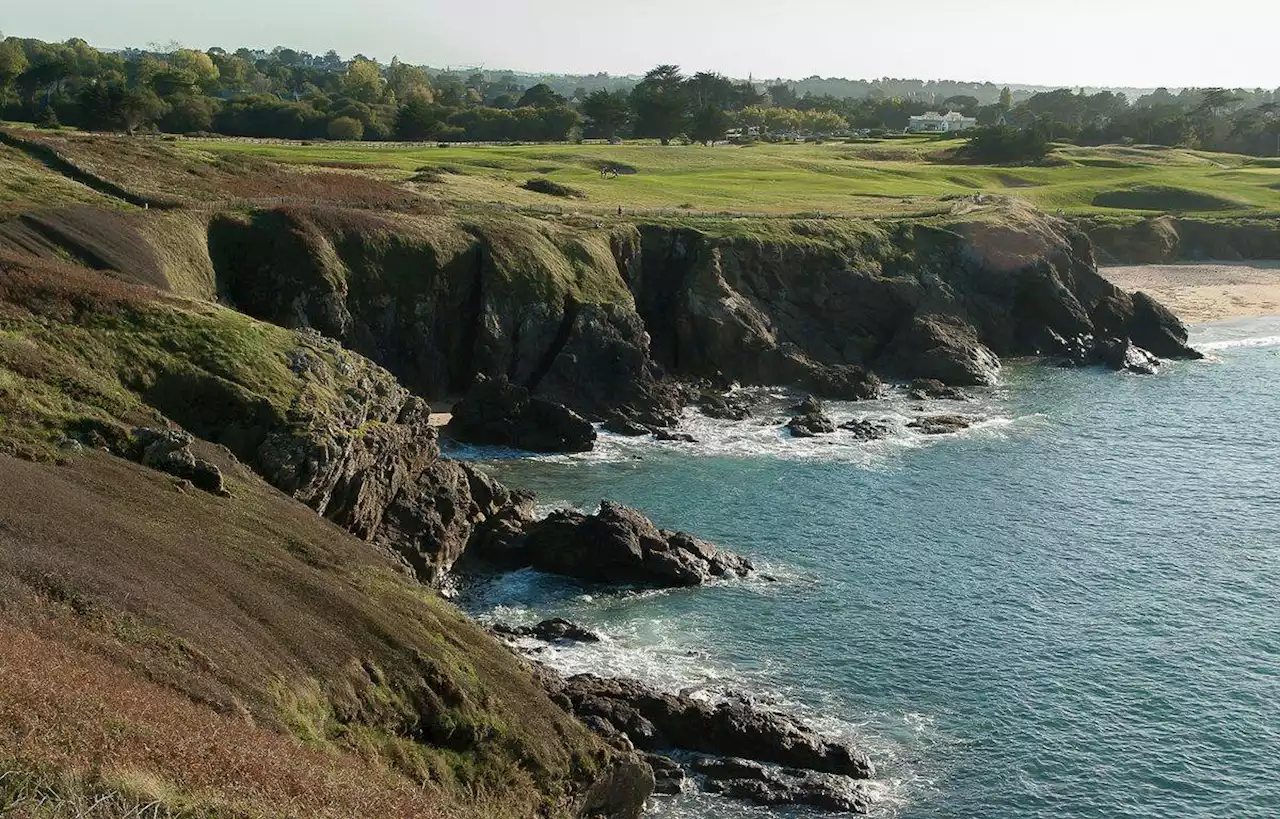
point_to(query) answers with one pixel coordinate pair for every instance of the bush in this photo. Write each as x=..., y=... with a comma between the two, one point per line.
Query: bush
x=346, y=129
x=1000, y=144
x=543, y=185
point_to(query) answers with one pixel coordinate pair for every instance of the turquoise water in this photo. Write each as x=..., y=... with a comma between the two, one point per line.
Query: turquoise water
x=1071, y=611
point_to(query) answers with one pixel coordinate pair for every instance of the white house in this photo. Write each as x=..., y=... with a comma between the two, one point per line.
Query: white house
x=935, y=123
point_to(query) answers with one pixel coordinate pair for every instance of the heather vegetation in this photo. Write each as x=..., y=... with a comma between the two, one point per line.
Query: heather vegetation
x=294, y=95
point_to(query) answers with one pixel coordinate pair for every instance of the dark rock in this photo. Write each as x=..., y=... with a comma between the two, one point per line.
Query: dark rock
x=169, y=450
x=500, y=413
x=1155, y=328
x=551, y=631
x=868, y=429
x=668, y=773
x=925, y=388
x=941, y=424
x=771, y=786
x=620, y=792
x=674, y=437
x=810, y=420
x=619, y=425
x=844, y=382
x=658, y=721
x=618, y=545
x=735, y=407
x=809, y=405
x=942, y=348
x=1121, y=355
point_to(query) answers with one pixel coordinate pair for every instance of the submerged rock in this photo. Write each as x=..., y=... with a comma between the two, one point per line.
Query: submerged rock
x=615, y=545
x=941, y=424
x=620, y=425
x=674, y=437
x=500, y=413
x=656, y=721
x=868, y=429
x=734, y=407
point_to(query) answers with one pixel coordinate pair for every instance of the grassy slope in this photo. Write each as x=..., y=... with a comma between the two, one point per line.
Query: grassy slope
x=884, y=178
x=323, y=683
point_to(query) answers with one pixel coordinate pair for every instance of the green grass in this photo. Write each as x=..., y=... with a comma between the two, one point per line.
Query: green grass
x=888, y=177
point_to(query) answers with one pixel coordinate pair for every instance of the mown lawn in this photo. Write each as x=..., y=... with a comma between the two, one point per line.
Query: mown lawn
x=891, y=176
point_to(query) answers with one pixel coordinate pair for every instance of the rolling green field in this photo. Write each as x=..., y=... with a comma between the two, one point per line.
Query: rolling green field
x=873, y=177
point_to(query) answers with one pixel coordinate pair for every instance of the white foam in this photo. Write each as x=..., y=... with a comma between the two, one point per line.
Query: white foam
x=1228, y=344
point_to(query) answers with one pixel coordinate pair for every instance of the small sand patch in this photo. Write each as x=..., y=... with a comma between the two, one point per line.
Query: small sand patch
x=1207, y=291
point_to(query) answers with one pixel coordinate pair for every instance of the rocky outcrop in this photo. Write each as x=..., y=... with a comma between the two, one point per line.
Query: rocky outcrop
x=355, y=446
x=941, y=348
x=655, y=721
x=615, y=545
x=868, y=429
x=923, y=389
x=773, y=786
x=550, y=631
x=941, y=424
x=810, y=420
x=500, y=413
x=169, y=450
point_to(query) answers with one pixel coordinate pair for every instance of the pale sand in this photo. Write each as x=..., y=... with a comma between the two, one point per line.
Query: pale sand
x=1206, y=291
x=441, y=419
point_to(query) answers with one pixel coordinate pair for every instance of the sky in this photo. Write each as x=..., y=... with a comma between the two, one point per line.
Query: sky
x=1116, y=43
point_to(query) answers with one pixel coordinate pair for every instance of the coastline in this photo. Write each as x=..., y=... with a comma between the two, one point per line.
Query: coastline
x=1199, y=292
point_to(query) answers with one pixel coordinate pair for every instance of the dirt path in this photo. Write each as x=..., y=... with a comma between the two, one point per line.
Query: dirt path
x=1207, y=291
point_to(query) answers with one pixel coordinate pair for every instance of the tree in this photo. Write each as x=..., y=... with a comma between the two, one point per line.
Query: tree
x=540, y=96
x=188, y=113
x=709, y=124
x=418, y=119
x=1006, y=98
x=783, y=95
x=608, y=111
x=1000, y=144
x=347, y=129
x=13, y=62
x=407, y=81
x=200, y=66
x=363, y=81
x=661, y=104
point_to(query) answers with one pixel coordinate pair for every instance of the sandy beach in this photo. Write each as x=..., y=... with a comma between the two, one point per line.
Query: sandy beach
x=1207, y=291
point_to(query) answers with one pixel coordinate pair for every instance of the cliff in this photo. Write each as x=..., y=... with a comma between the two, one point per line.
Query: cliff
x=1165, y=239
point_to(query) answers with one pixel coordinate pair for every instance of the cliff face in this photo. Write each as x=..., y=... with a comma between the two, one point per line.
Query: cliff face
x=1165, y=239
x=438, y=302
x=593, y=318
x=941, y=298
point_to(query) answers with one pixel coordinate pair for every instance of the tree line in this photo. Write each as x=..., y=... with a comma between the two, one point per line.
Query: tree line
x=295, y=95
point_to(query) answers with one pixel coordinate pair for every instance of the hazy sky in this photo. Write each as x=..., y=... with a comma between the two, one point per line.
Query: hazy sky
x=1076, y=42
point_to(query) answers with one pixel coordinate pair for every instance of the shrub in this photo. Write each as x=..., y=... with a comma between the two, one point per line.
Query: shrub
x=346, y=129
x=1005, y=144
x=543, y=185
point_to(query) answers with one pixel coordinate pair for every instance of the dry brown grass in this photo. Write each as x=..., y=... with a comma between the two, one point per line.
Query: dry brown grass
x=137, y=743
x=173, y=622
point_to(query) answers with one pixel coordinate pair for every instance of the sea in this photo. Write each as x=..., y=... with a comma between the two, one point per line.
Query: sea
x=1071, y=609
